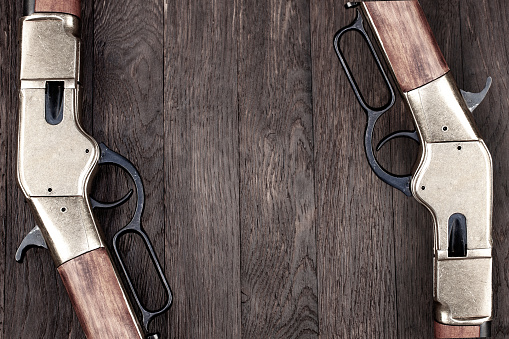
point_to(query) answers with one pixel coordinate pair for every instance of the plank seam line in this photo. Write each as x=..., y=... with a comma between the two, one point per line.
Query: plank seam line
x=395, y=263
x=7, y=158
x=239, y=162
x=165, y=180
x=315, y=190
x=461, y=44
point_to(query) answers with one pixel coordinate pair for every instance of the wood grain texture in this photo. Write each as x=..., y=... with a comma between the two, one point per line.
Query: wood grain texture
x=7, y=97
x=356, y=261
x=246, y=174
x=408, y=42
x=60, y=6
x=98, y=297
x=443, y=331
x=277, y=207
x=202, y=168
x=127, y=113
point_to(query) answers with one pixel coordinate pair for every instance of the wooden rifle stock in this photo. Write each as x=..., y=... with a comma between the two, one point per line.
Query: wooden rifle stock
x=98, y=298
x=408, y=42
x=59, y=6
x=444, y=331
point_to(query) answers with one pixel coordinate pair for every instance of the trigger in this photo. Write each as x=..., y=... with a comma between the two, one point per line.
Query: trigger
x=33, y=238
x=99, y=204
x=400, y=134
x=474, y=99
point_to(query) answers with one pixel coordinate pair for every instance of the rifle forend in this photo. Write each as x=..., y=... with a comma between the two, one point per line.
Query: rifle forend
x=453, y=177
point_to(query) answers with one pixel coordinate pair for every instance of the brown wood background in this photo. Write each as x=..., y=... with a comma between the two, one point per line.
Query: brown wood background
x=260, y=203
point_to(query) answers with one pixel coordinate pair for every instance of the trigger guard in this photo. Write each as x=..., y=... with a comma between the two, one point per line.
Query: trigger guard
x=402, y=183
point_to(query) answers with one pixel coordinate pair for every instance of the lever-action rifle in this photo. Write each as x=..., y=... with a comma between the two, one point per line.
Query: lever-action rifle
x=56, y=163
x=453, y=177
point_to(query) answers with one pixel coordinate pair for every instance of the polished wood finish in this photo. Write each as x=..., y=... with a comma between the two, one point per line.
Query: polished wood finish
x=98, y=298
x=160, y=86
x=408, y=42
x=443, y=331
x=59, y=6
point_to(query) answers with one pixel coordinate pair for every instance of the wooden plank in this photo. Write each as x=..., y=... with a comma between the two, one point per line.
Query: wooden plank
x=201, y=166
x=484, y=31
x=279, y=286
x=355, y=221
x=128, y=85
x=7, y=97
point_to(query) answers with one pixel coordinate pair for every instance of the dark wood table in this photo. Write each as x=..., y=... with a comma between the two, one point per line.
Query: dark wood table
x=260, y=203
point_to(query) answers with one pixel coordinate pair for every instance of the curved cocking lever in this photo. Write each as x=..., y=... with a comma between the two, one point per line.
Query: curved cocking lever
x=109, y=157
x=400, y=182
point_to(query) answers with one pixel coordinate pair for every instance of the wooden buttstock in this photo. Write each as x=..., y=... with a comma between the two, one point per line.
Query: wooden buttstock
x=446, y=331
x=407, y=41
x=98, y=297
x=59, y=6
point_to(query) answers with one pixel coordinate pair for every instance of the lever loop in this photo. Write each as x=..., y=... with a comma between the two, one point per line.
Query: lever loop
x=134, y=226
x=400, y=182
